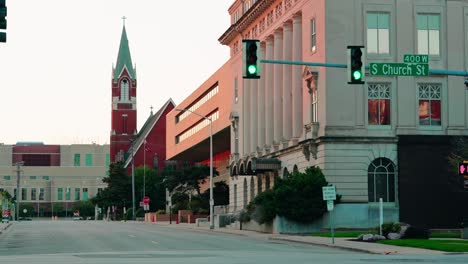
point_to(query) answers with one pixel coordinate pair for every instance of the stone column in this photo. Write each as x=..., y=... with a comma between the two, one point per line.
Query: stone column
x=269, y=95
x=253, y=115
x=287, y=83
x=278, y=91
x=297, y=77
x=261, y=103
x=246, y=116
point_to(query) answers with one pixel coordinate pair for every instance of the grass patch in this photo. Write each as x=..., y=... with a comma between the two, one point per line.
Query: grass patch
x=442, y=245
x=353, y=234
x=445, y=235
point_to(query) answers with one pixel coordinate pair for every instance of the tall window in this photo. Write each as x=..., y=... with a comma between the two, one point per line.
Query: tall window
x=60, y=194
x=77, y=159
x=378, y=103
x=107, y=159
x=85, y=194
x=24, y=194
x=235, y=197
x=378, y=33
x=236, y=91
x=124, y=124
x=244, y=202
x=314, y=104
x=124, y=90
x=259, y=184
x=77, y=194
x=267, y=182
x=313, y=36
x=33, y=194
x=252, y=189
x=41, y=194
x=89, y=160
x=381, y=180
x=68, y=194
x=428, y=26
x=429, y=104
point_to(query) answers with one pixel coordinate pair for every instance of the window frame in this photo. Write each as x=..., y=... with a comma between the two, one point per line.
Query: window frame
x=379, y=126
x=442, y=105
x=384, y=8
x=395, y=181
x=427, y=14
x=431, y=9
x=60, y=194
x=313, y=35
x=88, y=159
x=77, y=162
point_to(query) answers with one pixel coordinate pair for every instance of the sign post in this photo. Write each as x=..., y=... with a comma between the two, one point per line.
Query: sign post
x=329, y=195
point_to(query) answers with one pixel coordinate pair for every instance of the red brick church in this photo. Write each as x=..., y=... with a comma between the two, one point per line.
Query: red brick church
x=147, y=144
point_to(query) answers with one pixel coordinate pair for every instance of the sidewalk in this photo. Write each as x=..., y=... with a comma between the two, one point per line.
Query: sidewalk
x=4, y=226
x=341, y=243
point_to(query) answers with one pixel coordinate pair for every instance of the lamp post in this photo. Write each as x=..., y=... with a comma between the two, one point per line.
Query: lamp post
x=18, y=199
x=133, y=186
x=211, y=162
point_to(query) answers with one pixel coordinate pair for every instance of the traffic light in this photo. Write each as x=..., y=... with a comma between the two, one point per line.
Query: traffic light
x=356, y=65
x=251, y=58
x=3, y=22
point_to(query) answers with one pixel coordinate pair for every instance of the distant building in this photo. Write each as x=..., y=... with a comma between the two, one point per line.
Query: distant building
x=149, y=144
x=53, y=174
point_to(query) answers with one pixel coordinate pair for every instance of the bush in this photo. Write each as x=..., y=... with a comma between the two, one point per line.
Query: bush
x=263, y=208
x=389, y=228
x=417, y=232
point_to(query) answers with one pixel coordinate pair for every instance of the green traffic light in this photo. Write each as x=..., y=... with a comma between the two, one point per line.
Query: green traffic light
x=252, y=69
x=357, y=75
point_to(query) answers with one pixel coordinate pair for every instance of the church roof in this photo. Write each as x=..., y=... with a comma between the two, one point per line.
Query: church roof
x=146, y=130
x=124, y=59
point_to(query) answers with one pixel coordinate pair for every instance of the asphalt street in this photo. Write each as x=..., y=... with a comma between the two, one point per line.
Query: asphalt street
x=115, y=242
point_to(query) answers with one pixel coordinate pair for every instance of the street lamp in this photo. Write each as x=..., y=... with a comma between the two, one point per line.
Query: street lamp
x=133, y=185
x=211, y=161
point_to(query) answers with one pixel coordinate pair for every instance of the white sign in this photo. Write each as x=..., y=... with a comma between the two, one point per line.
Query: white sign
x=329, y=193
x=25, y=210
x=330, y=205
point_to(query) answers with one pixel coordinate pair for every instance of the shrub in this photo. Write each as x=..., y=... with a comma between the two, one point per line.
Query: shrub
x=417, y=232
x=389, y=228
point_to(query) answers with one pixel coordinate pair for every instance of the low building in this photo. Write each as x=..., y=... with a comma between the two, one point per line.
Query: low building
x=53, y=175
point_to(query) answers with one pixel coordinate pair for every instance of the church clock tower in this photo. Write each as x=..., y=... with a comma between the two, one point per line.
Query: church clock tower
x=124, y=112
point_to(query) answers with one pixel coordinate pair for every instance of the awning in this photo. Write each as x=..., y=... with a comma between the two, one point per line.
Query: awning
x=254, y=166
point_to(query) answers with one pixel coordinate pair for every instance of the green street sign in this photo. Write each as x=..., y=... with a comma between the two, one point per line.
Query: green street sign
x=399, y=69
x=415, y=58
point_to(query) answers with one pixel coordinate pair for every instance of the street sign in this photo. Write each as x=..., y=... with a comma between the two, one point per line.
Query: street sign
x=330, y=205
x=399, y=69
x=142, y=204
x=415, y=58
x=329, y=193
x=146, y=200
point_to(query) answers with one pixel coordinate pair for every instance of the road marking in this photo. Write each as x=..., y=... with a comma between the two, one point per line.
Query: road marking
x=131, y=235
x=154, y=242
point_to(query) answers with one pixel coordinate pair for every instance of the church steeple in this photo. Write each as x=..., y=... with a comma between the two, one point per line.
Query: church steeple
x=124, y=59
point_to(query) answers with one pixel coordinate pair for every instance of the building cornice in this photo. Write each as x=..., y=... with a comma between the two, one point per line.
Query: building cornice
x=245, y=21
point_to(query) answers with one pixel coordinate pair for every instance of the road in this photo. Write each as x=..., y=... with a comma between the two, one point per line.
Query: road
x=115, y=242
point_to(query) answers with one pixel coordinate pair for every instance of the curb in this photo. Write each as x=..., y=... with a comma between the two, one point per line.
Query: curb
x=325, y=245
x=6, y=227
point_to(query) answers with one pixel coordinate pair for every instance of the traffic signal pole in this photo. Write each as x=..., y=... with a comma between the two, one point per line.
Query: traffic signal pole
x=344, y=66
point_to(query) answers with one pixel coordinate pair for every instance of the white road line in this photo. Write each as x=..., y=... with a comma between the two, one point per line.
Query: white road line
x=131, y=235
x=154, y=242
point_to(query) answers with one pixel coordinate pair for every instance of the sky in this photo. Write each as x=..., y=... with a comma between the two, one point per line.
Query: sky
x=55, y=68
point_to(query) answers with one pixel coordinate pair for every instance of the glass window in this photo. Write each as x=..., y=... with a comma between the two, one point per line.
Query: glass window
x=107, y=159
x=235, y=197
x=60, y=194
x=77, y=194
x=378, y=104
x=378, y=33
x=244, y=202
x=77, y=159
x=124, y=90
x=7, y=178
x=381, y=180
x=32, y=177
x=33, y=194
x=429, y=104
x=89, y=160
x=45, y=178
x=252, y=189
x=41, y=194
x=24, y=194
x=68, y=194
x=428, y=26
x=313, y=35
x=85, y=194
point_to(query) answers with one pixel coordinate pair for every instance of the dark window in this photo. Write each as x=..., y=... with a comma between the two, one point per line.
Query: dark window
x=381, y=180
x=36, y=159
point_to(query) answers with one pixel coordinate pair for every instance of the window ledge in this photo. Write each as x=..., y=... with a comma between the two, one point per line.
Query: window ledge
x=432, y=128
x=379, y=127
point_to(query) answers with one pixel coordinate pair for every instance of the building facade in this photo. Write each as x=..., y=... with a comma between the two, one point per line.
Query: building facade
x=300, y=116
x=188, y=134
x=53, y=175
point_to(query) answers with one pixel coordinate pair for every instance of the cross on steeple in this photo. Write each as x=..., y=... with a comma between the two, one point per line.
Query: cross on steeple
x=151, y=110
x=123, y=18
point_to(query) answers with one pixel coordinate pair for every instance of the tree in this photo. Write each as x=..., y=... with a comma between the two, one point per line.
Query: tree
x=86, y=208
x=188, y=178
x=154, y=187
x=119, y=188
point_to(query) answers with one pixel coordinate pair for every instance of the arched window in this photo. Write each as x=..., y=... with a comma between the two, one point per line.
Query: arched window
x=285, y=173
x=295, y=169
x=244, y=202
x=267, y=182
x=381, y=180
x=259, y=184
x=124, y=90
x=252, y=188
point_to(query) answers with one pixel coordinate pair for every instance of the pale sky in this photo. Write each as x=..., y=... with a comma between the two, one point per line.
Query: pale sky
x=55, y=69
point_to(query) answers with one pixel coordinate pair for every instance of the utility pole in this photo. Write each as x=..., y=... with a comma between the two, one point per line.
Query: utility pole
x=18, y=197
x=133, y=185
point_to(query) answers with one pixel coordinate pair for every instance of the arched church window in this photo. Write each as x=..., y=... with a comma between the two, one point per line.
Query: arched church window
x=124, y=90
